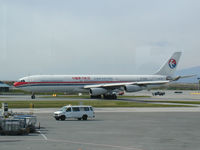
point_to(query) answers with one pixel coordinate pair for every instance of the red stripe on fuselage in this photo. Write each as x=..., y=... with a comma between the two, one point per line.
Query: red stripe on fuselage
x=16, y=84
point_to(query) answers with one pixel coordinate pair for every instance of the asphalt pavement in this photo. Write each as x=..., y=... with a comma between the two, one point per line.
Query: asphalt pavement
x=113, y=131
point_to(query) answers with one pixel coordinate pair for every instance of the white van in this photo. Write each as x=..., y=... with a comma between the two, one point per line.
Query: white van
x=79, y=112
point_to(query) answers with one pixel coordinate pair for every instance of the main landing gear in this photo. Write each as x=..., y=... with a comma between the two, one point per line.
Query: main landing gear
x=95, y=96
x=112, y=96
x=33, y=96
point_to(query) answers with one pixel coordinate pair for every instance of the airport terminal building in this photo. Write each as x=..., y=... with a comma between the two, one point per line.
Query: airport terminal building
x=4, y=87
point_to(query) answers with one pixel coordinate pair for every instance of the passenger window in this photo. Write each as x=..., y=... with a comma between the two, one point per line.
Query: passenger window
x=91, y=108
x=81, y=109
x=22, y=80
x=86, y=109
x=75, y=109
x=68, y=109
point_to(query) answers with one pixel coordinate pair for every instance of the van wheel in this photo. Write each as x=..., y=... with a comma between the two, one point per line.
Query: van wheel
x=62, y=117
x=84, y=117
x=79, y=118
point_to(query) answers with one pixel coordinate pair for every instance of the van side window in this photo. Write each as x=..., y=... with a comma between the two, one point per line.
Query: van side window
x=68, y=109
x=91, y=108
x=81, y=108
x=75, y=109
x=86, y=109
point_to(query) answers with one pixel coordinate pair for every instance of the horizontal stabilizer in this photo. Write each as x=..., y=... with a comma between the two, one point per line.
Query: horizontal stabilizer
x=181, y=77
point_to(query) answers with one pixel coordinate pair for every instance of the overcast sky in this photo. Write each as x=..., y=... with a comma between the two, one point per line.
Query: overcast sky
x=96, y=36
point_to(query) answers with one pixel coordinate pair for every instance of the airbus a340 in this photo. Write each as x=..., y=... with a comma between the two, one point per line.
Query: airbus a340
x=108, y=86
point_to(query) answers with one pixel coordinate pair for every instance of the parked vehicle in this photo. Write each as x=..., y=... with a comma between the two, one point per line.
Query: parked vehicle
x=78, y=112
x=158, y=93
x=178, y=92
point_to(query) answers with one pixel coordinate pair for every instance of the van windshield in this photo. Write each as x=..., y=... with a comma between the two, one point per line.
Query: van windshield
x=62, y=109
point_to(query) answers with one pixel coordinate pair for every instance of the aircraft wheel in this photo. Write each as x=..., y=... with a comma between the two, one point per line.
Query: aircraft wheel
x=114, y=96
x=33, y=96
x=93, y=96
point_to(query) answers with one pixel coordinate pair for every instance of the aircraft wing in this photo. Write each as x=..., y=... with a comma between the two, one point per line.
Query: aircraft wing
x=111, y=85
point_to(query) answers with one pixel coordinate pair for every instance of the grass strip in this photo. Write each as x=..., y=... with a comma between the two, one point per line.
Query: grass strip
x=178, y=102
x=94, y=103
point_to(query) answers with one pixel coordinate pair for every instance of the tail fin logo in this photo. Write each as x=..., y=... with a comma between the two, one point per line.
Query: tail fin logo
x=172, y=63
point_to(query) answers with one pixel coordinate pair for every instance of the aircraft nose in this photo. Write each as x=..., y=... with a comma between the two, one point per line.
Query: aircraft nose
x=16, y=84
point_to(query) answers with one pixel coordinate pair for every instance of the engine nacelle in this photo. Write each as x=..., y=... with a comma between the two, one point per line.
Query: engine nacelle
x=98, y=91
x=132, y=88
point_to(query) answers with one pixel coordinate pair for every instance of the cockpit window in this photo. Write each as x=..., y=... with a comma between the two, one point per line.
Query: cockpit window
x=22, y=81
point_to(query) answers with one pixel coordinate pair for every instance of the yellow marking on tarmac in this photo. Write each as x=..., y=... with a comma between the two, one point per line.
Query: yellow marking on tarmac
x=195, y=93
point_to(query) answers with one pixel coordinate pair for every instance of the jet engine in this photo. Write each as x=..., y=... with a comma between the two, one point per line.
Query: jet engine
x=132, y=88
x=98, y=91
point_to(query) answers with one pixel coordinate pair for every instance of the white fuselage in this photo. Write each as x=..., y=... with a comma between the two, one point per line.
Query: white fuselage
x=97, y=85
x=76, y=83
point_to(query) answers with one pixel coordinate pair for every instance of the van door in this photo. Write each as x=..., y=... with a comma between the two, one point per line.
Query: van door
x=68, y=112
x=76, y=112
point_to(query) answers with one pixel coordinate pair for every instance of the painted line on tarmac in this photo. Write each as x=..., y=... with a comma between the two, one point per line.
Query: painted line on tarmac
x=72, y=142
x=197, y=93
x=94, y=144
x=42, y=135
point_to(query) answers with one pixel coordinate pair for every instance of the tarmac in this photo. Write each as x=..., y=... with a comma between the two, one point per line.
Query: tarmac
x=113, y=130
x=174, y=128
x=169, y=96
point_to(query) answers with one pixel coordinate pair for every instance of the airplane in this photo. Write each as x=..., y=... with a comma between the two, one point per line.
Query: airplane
x=108, y=86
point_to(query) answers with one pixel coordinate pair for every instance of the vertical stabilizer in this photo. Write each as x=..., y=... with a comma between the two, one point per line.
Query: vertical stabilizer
x=170, y=66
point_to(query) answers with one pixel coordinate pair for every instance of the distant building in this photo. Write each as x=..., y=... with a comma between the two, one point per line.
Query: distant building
x=4, y=87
